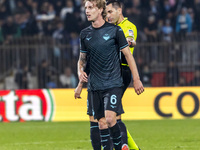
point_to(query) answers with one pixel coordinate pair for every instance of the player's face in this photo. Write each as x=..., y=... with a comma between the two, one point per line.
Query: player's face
x=112, y=14
x=92, y=12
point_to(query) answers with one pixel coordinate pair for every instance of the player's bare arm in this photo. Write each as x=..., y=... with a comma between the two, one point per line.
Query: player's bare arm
x=137, y=84
x=81, y=66
x=78, y=90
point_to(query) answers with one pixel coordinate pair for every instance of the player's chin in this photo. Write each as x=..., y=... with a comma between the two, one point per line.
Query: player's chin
x=111, y=22
x=89, y=19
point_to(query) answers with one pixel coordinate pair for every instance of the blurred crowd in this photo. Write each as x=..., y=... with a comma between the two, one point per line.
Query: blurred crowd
x=59, y=18
x=56, y=18
x=156, y=21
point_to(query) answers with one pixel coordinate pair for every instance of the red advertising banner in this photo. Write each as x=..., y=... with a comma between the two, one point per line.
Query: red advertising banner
x=26, y=105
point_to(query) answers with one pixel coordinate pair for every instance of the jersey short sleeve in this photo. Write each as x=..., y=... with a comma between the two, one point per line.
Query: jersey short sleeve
x=82, y=44
x=131, y=31
x=121, y=40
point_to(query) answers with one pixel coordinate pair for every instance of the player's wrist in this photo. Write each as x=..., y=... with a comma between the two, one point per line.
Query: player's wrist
x=131, y=41
x=80, y=83
x=136, y=79
x=130, y=44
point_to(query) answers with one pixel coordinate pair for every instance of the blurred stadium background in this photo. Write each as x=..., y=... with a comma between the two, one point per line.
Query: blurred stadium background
x=39, y=49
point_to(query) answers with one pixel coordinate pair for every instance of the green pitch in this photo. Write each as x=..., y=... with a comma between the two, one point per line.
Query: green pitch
x=149, y=135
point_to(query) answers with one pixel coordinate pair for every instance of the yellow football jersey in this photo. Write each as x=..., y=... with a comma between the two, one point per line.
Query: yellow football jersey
x=129, y=30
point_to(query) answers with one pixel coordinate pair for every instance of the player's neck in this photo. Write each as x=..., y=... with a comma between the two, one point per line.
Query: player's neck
x=98, y=23
x=121, y=18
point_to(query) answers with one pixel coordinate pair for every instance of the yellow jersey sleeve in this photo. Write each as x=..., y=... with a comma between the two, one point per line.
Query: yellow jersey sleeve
x=129, y=30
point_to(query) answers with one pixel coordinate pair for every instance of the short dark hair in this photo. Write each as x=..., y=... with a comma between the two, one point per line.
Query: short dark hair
x=115, y=3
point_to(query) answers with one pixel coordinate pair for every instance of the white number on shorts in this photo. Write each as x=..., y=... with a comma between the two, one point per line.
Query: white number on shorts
x=113, y=99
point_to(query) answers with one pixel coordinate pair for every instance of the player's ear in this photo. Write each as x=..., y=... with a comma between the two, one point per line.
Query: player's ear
x=100, y=10
x=119, y=10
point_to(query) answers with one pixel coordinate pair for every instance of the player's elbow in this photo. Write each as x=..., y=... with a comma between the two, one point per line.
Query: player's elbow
x=126, y=51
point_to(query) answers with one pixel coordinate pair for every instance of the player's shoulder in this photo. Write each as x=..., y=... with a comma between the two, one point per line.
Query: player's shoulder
x=111, y=27
x=86, y=30
x=129, y=24
x=107, y=24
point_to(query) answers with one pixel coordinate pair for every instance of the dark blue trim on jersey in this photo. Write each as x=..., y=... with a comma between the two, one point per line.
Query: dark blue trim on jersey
x=83, y=51
x=123, y=46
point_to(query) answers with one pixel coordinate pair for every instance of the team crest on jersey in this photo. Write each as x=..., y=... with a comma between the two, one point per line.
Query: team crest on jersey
x=106, y=37
x=130, y=32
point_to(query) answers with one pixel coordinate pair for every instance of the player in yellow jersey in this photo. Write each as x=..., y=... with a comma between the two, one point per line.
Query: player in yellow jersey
x=115, y=16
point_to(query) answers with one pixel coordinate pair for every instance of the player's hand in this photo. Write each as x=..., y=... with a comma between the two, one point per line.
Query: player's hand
x=131, y=42
x=83, y=77
x=77, y=92
x=138, y=86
